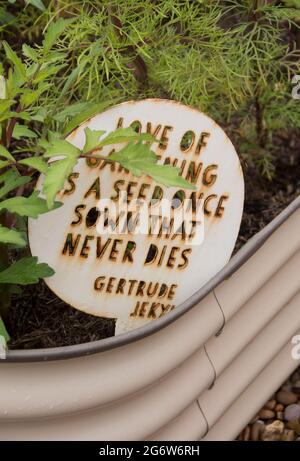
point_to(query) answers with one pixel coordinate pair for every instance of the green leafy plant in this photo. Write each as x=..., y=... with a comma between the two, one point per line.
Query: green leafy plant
x=232, y=59
x=28, y=147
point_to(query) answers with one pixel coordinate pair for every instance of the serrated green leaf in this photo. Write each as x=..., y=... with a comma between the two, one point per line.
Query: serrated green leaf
x=134, y=152
x=25, y=272
x=29, y=52
x=4, y=163
x=32, y=69
x=70, y=81
x=54, y=56
x=56, y=176
x=11, y=114
x=40, y=115
x=31, y=206
x=125, y=135
x=61, y=147
x=167, y=175
x=54, y=31
x=5, y=104
x=94, y=109
x=35, y=162
x=47, y=72
x=10, y=180
x=22, y=131
x=37, y=3
x=92, y=139
x=6, y=154
x=139, y=159
x=29, y=97
x=13, y=57
x=11, y=236
x=71, y=111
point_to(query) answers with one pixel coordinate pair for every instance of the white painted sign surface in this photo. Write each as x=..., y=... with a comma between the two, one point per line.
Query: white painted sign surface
x=117, y=276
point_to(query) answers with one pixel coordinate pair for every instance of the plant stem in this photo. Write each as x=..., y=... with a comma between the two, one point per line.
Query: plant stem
x=11, y=126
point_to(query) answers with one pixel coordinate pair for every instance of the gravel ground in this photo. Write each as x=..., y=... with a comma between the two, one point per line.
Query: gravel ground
x=279, y=419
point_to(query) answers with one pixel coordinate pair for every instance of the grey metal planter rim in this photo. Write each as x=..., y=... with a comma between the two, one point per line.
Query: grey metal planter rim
x=59, y=353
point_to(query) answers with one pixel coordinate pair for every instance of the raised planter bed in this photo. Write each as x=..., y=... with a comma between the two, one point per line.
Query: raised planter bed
x=147, y=368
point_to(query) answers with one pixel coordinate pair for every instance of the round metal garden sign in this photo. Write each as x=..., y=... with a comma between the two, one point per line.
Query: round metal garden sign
x=128, y=247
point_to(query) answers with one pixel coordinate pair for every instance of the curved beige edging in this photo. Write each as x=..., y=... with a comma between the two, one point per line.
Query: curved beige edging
x=88, y=382
x=158, y=377
x=185, y=427
x=243, y=370
x=189, y=424
x=254, y=397
x=250, y=362
x=111, y=422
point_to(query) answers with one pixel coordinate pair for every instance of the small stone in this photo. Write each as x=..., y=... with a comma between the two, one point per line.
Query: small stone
x=273, y=431
x=287, y=436
x=256, y=430
x=279, y=407
x=295, y=426
x=266, y=414
x=286, y=397
x=280, y=415
x=292, y=412
x=296, y=387
x=270, y=405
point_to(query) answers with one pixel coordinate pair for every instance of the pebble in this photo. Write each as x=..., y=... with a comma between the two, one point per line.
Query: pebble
x=266, y=414
x=270, y=405
x=256, y=430
x=273, y=431
x=286, y=397
x=292, y=412
x=279, y=419
x=288, y=436
x=295, y=426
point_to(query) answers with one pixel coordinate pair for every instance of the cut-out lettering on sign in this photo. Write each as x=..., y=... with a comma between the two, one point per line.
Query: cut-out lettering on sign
x=127, y=247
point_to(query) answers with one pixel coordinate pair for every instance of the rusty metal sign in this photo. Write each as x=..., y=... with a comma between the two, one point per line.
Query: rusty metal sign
x=137, y=270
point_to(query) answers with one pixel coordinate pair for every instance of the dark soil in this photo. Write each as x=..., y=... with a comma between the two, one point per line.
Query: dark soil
x=265, y=199
x=38, y=319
